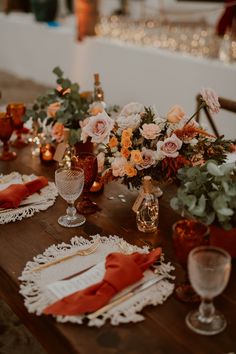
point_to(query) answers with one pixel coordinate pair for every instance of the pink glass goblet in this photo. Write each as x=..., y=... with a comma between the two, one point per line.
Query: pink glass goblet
x=88, y=163
x=187, y=234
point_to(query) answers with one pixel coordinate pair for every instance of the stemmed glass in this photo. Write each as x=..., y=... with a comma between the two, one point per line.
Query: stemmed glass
x=17, y=110
x=70, y=183
x=88, y=162
x=6, y=129
x=209, y=270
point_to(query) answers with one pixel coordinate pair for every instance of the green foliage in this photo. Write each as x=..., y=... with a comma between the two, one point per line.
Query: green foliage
x=208, y=193
x=72, y=107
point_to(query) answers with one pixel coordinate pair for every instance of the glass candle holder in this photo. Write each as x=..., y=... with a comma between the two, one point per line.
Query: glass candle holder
x=47, y=152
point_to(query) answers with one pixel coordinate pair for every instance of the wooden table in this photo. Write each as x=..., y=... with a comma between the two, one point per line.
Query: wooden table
x=164, y=329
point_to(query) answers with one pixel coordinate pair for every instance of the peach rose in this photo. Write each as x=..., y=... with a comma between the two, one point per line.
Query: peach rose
x=136, y=156
x=52, y=109
x=100, y=160
x=130, y=171
x=175, y=114
x=117, y=166
x=150, y=131
x=58, y=132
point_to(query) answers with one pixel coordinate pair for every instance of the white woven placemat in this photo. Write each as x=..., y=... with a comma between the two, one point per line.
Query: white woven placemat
x=31, y=205
x=37, y=296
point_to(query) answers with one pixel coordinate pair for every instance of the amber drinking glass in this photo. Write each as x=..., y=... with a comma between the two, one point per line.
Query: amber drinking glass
x=17, y=110
x=6, y=129
x=88, y=163
x=187, y=234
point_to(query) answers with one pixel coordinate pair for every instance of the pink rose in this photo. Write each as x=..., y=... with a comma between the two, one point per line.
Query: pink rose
x=175, y=114
x=169, y=147
x=98, y=128
x=211, y=99
x=118, y=165
x=149, y=159
x=150, y=131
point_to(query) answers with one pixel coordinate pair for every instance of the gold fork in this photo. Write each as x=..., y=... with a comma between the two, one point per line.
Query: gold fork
x=84, y=252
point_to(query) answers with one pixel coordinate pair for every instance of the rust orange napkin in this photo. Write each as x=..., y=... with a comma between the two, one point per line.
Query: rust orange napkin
x=121, y=271
x=15, y=193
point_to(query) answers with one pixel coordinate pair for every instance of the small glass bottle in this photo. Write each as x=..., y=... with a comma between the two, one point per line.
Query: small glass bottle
x=65, y=153
x=147, y=215
x=98, y=91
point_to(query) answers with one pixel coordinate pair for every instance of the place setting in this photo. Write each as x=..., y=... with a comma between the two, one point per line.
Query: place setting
x=92, y=281
x=21, y=196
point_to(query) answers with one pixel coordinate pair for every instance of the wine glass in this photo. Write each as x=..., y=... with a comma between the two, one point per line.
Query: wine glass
x=88, y=162
x=17, y=110
x=187, y=234
x=6, y=129
x=209, y=270
x=70, y=183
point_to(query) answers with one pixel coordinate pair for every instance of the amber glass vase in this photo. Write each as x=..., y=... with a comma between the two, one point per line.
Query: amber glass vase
x=187, y=234
x=88, y=162
x=6, y=129
x=17, y=111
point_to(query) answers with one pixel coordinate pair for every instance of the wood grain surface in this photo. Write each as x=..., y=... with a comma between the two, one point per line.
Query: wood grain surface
x=163, y=331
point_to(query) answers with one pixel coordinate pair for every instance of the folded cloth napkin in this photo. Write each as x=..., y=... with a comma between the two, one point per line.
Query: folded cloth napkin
x=121, y=271
x=15, y=193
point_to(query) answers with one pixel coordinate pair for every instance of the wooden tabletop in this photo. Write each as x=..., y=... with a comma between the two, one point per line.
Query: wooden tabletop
x=163, y=331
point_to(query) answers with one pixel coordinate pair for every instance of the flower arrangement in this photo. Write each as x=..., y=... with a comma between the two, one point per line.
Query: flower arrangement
x=208, y=193
x=140, y=142
x=63, y=106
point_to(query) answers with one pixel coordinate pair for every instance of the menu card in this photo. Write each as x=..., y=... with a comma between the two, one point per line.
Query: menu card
x=62, y=288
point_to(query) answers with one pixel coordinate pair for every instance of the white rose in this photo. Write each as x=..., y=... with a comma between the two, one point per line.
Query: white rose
x=132, y=109
x=132, y=122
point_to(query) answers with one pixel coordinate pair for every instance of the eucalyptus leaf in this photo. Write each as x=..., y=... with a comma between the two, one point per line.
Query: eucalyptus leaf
x=57, y=71
x=214, y=170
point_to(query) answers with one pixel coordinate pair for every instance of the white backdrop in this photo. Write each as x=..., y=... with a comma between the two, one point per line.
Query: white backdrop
x=128, y=72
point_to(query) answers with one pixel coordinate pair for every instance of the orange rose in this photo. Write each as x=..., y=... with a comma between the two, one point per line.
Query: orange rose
x=113, y=142
x=126, y=142
x=125, y=152
x=63, y=91
x=175, y=114
x=127, y=133
x=130, y=171
x=136, y=156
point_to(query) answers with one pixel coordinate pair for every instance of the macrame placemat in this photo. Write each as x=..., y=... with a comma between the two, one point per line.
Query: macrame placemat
x=31, y=205
x=37, y=295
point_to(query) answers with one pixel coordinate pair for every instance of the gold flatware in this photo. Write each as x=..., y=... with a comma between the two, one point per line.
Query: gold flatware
x=85, y=252
x=137, y=289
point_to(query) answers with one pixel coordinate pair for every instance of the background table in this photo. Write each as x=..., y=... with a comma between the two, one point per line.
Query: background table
x=164, y=329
